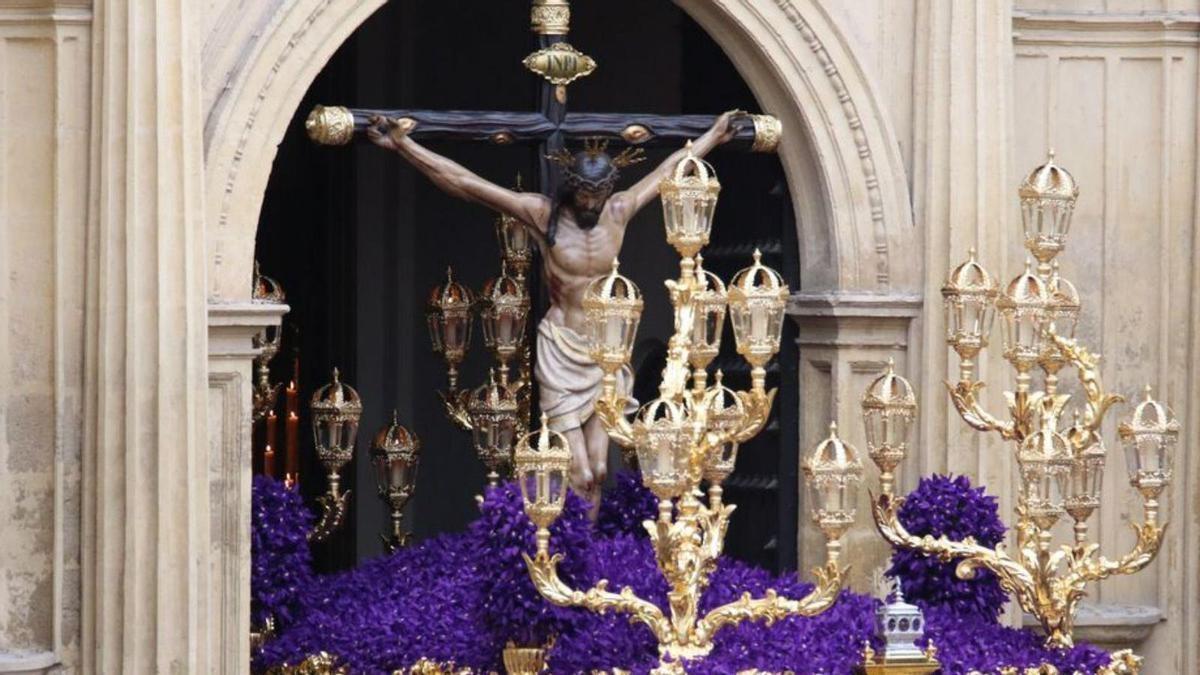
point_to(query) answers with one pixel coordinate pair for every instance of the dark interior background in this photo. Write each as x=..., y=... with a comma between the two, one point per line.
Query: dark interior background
x=358, y=239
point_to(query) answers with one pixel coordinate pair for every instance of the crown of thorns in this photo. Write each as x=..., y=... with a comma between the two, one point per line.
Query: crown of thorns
x=594, y=148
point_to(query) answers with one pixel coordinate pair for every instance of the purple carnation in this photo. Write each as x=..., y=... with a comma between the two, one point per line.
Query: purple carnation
x=942, y=505
x=625, y=506
x=969, y=642
x=281, y=563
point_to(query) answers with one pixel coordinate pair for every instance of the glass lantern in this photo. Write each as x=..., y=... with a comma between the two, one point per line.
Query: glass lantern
x=1087, y=473
x=1048, y=197
x=541, y=464
x=709, y=320
x=503, y=310
x=724, y=412
x=1149, y=437
x=833, y=472
x=448, y=313
x=516, y=245
x=689, y=197
x=612, y=308
x=494, y=412
x=757, y=299
x=336, y=410
x=663, y=440
x=1023, y=313
x=888, y=407
x=969, y=297
x=1062, y=315
x=1045, y=460
x=395, y=454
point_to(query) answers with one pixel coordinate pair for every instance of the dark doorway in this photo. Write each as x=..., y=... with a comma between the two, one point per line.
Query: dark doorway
x=358, y=239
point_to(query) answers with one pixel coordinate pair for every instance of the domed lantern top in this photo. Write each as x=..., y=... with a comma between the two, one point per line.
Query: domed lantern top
x=689, y=197
x=448, y=312
x=503, y=309
x=1149, y=437
x=970, y=278
x=889, y=407
x=336, y=409
x=541, y=462
x=663, y=439
x=833, y=471
x=396, y=452
x=710, y=302
x=1064, y=303
x=612, y=306
x=724, y=412
x=757, y=299
x=1047, y=202
x=267, y=290
x=1023, y=307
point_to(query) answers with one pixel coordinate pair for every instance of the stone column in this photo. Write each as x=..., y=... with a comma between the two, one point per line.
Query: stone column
x=845, y=340
x=148, y=540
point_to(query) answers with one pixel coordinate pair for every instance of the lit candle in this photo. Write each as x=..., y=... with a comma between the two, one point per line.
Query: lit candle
x=292, y=433
x=272, y=440
x=269, y=461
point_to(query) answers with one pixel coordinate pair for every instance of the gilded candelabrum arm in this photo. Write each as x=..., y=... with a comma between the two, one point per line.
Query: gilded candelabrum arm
x=1014, y=576
x=610, y=406
x=333, y=511
x=771, y=607
x=1092, y=567
x=964, y=394
x=455, y=402
x=543, y=570
x=1087, y=365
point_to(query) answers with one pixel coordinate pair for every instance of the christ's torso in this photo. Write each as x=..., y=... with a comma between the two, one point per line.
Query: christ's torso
x=577, y=257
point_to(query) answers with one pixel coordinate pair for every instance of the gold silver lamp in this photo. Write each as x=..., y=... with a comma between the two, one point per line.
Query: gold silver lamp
x=396, y=455
x=1060, y=466
x=503, y=315
x=268, y=291
x=336, y=409
x=448, y=313
x=889, y=409
x=687, y=435
x=495, y=414
x=833, y=473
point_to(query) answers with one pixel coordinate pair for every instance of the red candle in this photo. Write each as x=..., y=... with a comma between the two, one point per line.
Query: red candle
x=269, y=461
x=292, y=432
x=271, y=422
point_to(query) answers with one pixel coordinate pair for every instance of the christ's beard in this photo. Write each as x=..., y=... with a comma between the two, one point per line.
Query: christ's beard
x=586, y=219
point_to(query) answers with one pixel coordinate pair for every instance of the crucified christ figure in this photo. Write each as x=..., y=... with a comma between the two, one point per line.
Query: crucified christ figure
x=579, y=233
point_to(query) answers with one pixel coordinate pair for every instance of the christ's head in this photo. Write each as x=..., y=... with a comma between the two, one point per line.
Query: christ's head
x=589, y=178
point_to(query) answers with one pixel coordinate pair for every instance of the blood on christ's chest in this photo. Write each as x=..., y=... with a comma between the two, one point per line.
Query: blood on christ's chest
x=578, y=256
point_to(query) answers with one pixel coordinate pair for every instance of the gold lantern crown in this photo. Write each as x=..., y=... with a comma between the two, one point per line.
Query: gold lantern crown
x=450, y=295
x=397, y=442
x=336, y=409
x=1025, y=291
x=266, y=289
x=757, y=298
x=612, y=289
x=891, y=393
x=1064, y=297
x=504, y=289
x=1150, y=436
x=970, y=278
x=757, y=280
x=336, y=401
x=612, y=303
x=689, y=199
x=693, y=177
x=1049, y=181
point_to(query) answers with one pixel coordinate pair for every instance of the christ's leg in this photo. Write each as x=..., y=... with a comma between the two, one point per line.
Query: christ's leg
x=582, y=479
x=597, y=449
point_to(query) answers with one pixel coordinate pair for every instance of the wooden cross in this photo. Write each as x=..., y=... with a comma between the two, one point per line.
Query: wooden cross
x=551, y=126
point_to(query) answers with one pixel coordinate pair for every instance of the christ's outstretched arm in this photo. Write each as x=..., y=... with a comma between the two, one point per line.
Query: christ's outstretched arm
x=645, y=190
x=455, y=179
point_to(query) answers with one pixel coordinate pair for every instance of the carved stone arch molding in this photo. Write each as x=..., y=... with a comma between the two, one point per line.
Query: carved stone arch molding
x=841, y=157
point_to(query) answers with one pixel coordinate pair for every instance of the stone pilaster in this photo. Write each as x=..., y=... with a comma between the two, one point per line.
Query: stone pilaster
x=148, y=540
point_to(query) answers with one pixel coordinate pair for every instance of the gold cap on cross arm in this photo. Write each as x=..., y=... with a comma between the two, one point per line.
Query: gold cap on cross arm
x=330, y=125
x=768, y=131
x=550, y=17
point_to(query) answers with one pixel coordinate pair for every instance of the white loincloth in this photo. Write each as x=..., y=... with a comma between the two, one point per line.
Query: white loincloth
x=570, y=381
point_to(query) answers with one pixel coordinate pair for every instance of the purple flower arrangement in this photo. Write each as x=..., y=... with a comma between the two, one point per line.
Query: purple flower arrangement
x=461, y=598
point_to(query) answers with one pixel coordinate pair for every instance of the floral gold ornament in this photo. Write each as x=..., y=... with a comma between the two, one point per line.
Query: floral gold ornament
x=685, y=435
x=1060, y=464
x=396, y=455
x=336, y=409
x=550, y=17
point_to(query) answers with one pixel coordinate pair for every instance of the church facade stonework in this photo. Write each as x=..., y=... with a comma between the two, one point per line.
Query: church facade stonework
x=139, y=137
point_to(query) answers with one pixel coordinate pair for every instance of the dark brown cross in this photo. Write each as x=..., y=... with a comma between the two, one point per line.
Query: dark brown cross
x=551, y=126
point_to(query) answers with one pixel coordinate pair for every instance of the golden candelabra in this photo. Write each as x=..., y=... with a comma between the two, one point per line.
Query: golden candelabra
x=396, y=454
x=686, y=435
x=1060, y=464
x=336, y=410
x=267, y=291
x=495, y=410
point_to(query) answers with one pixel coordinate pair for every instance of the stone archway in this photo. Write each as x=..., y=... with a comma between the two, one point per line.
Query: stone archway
x=838, y=150
x=849, y=190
